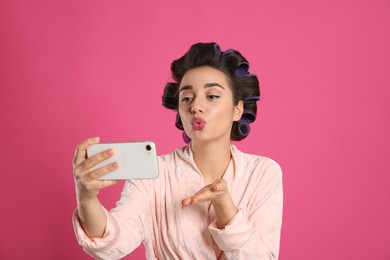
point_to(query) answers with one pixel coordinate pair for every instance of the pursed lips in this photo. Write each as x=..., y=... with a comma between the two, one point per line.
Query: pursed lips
x=198, y=123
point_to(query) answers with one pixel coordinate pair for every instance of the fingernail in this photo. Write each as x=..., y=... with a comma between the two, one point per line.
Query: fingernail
x=96, y=139
x=110, y=151
x=115, y=165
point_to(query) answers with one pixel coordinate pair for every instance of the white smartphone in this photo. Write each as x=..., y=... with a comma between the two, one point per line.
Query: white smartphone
x=137, y=160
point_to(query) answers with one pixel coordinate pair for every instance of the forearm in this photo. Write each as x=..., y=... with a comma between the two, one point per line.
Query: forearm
x=92, y=216
x=224, y=210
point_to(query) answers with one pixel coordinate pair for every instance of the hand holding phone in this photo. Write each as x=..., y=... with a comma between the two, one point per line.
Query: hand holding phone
x=137, y=160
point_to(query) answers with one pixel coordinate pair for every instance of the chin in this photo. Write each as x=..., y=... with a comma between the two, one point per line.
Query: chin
x=205, y=139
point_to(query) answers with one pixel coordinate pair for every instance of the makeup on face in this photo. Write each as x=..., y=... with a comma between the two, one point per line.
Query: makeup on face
x=205, y=104
x=198, y=123
x=207, y=85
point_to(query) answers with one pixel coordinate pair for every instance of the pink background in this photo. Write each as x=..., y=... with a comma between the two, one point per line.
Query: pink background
x=74, y=69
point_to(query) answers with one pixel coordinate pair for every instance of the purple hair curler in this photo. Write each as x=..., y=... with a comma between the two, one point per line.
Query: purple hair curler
x=186, y=138
x=242, y=70
x=217, y=50
x=248, y=117
x=227, y=52
x=243, y=128
x=251, y=99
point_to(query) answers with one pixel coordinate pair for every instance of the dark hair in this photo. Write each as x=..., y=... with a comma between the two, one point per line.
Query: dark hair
x=245, y=86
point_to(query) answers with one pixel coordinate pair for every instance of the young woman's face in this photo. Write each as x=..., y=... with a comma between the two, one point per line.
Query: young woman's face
x=206, y=106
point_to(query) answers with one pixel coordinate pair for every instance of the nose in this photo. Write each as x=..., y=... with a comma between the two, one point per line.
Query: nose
x=197, y=106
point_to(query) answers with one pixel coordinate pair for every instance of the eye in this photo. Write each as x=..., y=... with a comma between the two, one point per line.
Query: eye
x=213, y=97
x=186, y=99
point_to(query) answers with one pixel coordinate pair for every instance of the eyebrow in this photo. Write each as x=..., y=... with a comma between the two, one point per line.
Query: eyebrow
x=207, y=85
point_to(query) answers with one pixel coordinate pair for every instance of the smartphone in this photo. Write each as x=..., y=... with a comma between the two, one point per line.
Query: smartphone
x=137, y=160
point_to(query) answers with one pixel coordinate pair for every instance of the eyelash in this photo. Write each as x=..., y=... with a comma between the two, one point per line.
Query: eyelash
x=213, y=97
x=186, y=99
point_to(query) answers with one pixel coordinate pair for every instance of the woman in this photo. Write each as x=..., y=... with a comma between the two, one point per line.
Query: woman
x=210, y=201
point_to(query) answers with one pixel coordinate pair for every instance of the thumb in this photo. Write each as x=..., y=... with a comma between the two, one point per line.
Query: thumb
x=219, y=185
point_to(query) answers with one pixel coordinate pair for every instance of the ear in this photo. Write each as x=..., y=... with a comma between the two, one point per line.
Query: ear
x=238, y=110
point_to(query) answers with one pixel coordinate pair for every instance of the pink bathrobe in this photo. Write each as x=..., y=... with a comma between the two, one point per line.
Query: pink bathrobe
x=150, y=211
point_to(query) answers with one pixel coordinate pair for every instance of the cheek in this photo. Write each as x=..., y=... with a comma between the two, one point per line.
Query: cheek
x=225, y=114
x=182, y=113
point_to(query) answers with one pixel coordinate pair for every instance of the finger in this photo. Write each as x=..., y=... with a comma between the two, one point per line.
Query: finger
x=200, y=199
x=185, y=202
x=204, y=194
x=92, y=161
x=81, y=149
x=210, y=192
x=96, y=174
x=219, y=185
x=192, y=200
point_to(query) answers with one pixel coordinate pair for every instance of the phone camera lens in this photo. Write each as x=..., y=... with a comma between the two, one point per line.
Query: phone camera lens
x=148, y=148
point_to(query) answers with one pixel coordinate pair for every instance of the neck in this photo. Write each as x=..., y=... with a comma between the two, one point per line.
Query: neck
x=212, y=159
